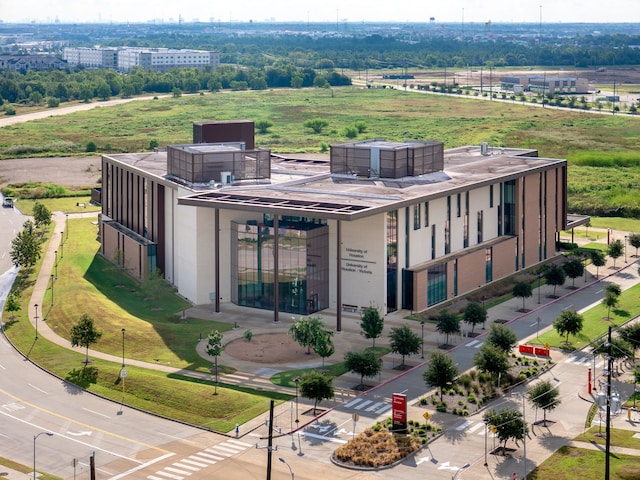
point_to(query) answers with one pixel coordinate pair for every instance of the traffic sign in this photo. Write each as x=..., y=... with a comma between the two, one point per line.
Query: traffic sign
x=123, y=373
x=426, y=415
x=355, y=417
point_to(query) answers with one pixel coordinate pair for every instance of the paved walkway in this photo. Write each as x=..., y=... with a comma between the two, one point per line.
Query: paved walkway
x=257, y=375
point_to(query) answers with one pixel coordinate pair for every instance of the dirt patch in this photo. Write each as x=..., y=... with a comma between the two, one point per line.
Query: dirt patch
x=269, y=348
x=67, y=171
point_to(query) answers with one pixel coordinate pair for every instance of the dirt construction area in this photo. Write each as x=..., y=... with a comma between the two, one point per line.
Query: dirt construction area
x=67, y=171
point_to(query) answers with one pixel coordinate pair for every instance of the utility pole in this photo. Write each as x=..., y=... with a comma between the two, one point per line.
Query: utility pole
x=608, y=429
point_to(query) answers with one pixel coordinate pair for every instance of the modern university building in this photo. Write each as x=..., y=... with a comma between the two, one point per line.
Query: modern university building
x=395, y=225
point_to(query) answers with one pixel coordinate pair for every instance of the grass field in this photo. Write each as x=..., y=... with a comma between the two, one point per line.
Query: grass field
x=595, y=321
x=395, y=115
x=155, y=332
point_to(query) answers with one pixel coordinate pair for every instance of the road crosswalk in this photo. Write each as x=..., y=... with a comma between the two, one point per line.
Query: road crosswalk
x=584, y=360
x=368, y=406
x=191, y=464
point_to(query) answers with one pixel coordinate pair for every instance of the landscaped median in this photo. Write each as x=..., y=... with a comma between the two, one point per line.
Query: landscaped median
x=155, y=333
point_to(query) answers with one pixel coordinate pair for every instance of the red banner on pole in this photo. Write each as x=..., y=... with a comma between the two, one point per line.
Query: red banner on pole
x=399, y=411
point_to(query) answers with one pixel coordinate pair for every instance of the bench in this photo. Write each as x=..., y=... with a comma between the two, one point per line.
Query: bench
x=81, y=204
x=350, y=308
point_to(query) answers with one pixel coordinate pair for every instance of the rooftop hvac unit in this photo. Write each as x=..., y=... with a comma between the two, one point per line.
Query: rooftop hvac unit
x=484, y=148
x=226, y=178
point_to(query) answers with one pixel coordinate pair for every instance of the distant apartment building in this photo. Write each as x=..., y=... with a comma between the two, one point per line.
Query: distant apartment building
x=23, y=63
x=161, y=59
x=125, y=58
x=545, y=85
x=91, y=57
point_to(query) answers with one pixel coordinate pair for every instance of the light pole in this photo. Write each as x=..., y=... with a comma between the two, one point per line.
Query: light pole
x=52, y=289
x=67, y=226
x=35, y=437
x=288, y=466
x=422, y=333
x=625, y=249
x=36, y=318
x=61, y=245
x=123, y=330
x=486, y=427
x=482, y=299
x=55, y=252
x=524, y=431
x=296, y=380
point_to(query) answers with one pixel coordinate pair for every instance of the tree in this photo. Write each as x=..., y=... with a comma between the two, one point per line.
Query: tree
x=574, y=268
x=440, y=372
x=366, y=364
x=263, y=126
x=316, y=386
x=618, y=349
x=474, y=314
x=612, y=294
x=544, y=395
x=598, y=259
x=306, y=330
x=84, y=333
x=492, y=360
x=522, y=290
x=631, y=334
x=214, y=348
x=569, y=322
x=323, y=345
x=371, y=323
x=502, y=337
x=404, y=341
x=447, y=323
x=104, y=91
x=507, y=424
x=41, y=215
x=555, y=276
x=25, y=248
x=615, y=250
x=12, y=304
x=176, y=92
x=634, y=241
x=316, y=124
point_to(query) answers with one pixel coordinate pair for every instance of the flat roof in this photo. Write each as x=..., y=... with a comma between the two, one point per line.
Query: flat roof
x=303, y=185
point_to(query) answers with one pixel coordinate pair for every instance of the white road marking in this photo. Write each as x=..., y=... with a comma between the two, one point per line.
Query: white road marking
x=96, y=413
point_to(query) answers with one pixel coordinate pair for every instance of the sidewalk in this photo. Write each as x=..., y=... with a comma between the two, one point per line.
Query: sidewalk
x=349, y=339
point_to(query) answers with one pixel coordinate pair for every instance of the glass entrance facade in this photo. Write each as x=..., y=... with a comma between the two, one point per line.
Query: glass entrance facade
x=303, y=265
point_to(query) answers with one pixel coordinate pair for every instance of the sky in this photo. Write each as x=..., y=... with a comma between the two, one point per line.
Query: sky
x=472, y=11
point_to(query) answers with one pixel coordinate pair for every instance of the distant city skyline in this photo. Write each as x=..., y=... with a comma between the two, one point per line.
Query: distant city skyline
x=414, y=11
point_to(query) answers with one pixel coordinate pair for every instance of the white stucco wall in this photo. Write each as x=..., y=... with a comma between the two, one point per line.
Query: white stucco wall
x=363, y=262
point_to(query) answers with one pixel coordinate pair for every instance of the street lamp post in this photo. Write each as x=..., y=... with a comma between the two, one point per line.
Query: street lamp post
x=52, y=289
x=422, y=333
x=296, y=380
x=35, y=437
x=36, y=318
x=486, y=427
x=524, y=431
x=625, y=249
x=55, y=252
x=67, y=226
x=289, y=466
x=61, y=245
x=123, y=330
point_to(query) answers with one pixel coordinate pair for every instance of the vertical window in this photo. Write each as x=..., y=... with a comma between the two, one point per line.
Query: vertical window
x=417, y=217
x=488, y=269
x=426, y=214
x=458, y=205
x=392, y=260
x=490, y=196
x=433, y=242
x=447, y=238
x=480, y=226
x=436, y=284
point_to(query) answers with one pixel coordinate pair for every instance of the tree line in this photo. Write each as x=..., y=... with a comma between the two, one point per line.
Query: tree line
x=55, y=86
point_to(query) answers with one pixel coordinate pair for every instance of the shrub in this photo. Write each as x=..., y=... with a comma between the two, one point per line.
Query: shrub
x=9, y=110
x=153, y=144
x=441, y=407
x=53, y=102
x=91, y=147
x=248, y=335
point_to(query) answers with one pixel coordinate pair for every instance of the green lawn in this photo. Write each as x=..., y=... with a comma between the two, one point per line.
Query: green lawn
x=619, y=437
x=566, y=462
x=595, y=323
x=155, y=332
